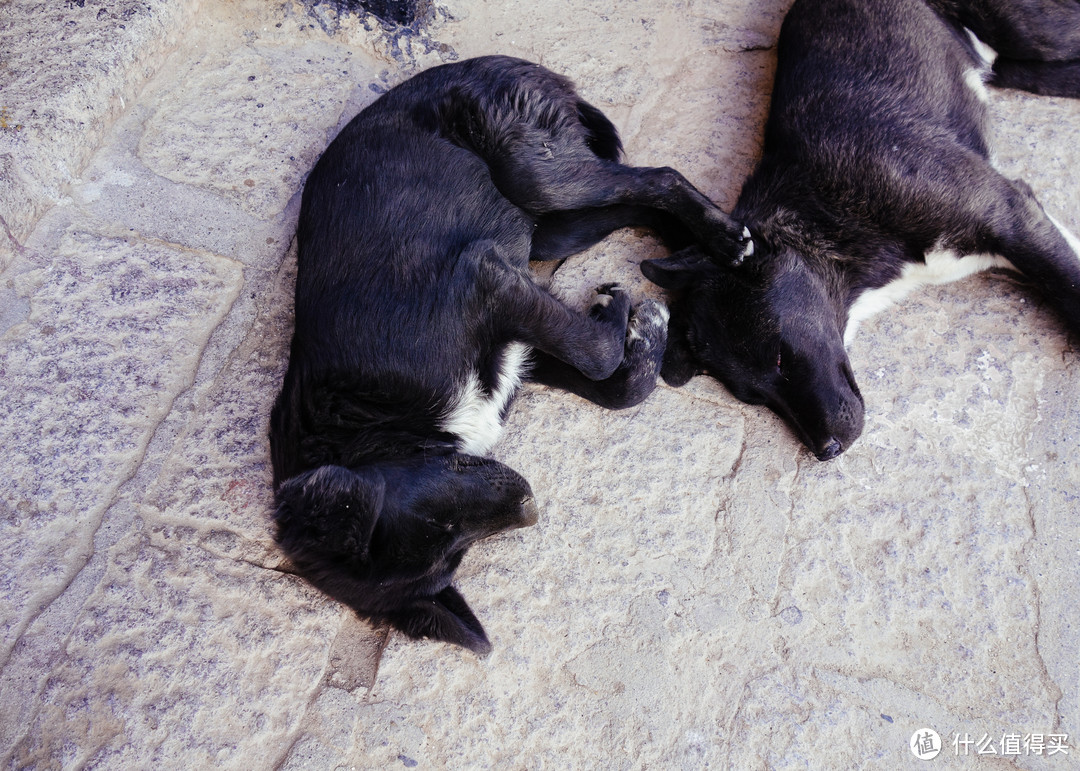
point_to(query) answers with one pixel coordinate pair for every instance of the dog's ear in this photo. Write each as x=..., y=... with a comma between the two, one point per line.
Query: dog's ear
x=330, y=509
x=678, y=271
x=446, y=617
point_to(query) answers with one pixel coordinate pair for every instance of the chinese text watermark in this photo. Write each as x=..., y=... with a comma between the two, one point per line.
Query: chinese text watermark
x=926, y=744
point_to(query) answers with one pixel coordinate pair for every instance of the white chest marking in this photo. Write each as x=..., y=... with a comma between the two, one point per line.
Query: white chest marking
x=475, y=417
x=942, y=267
x=976, y=77
x=984, y=52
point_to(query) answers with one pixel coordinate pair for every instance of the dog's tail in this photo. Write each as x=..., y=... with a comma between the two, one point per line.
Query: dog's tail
x=603, y=138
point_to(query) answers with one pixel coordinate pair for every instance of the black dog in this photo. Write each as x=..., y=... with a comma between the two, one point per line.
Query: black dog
x=417, y=317
x=875, y=173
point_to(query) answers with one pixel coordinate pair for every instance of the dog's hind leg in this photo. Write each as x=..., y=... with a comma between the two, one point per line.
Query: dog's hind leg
x=592, y=344
x=1037, y=42
x=1016, y=227
x=564, y=233
x=1037, y=30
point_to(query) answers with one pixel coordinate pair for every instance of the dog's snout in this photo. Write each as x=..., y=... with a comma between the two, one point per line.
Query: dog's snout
x=849, y=376
x=831, y=449
x=530, y=513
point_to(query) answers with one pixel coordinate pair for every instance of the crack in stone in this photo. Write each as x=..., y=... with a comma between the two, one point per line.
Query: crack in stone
x=19, y=248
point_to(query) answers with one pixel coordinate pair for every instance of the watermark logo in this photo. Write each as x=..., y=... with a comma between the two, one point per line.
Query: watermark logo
x=925, y=744
x=1012, y=744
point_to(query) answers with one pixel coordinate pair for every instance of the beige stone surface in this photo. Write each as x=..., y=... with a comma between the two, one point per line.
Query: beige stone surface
x=67, y=70
x=115, y=330
x=237, y=98
x=699, y=590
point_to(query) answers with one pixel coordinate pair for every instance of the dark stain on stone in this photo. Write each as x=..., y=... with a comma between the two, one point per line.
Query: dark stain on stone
x=402, y=13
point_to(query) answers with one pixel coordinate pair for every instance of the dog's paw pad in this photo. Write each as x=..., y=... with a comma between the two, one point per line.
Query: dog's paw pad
x=653, y=311
x=748, y=245
x=612, y=304
x=643, y=353
x=613, y=289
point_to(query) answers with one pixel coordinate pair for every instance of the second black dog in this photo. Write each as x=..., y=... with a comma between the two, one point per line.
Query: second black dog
x=417, y=318
x=876, y=176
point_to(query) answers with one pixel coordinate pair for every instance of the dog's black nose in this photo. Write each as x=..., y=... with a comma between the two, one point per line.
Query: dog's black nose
x=830, y=450
x=529, y=512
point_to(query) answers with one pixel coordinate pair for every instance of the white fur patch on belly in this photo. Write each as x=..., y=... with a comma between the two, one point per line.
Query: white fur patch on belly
x=475, y=417
x=942, y=266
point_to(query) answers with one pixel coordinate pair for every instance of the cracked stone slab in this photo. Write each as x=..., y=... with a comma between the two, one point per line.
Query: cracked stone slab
x=183, y=603
x=115, y=187
x=329, y=730
x=698, y=589
x=248, y=123
x=68, y=69
x=557, y=598
x=114, y=331
x=180, y=659
x=215, y=484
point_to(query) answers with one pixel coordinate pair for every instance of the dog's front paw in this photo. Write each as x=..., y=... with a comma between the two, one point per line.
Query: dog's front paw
x=643, y=353
x=732, y=243
x=646, y=337
x=612, y=305
x=648, y=328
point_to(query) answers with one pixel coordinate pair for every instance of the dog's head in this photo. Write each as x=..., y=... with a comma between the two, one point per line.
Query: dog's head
x=772, y=333
x=386, y=538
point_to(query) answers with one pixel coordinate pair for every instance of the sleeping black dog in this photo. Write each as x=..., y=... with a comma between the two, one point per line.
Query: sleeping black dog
x=876, y=176
x=417, y=318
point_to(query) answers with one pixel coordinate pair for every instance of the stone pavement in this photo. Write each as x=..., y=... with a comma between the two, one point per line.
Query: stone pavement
x=699, y=590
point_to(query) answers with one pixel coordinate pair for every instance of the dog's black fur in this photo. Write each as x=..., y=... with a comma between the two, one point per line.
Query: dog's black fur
x=416, y=314
x=875, y=155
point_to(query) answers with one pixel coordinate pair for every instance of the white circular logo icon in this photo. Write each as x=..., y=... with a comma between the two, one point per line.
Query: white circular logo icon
x=925, y=744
